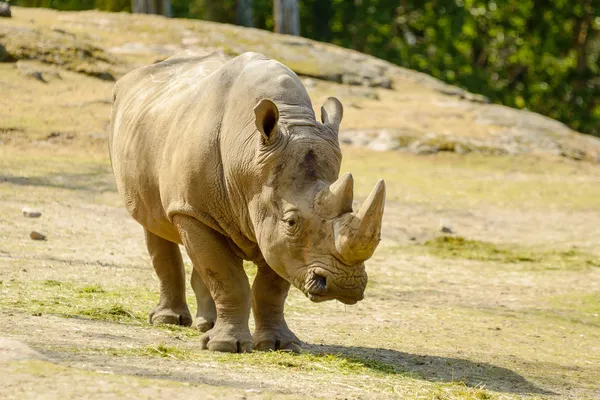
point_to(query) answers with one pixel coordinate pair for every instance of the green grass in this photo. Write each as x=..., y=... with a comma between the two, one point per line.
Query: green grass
x=67, y=299
x=459, y=247
x=91, y=289
x=376, y=376
x=306, y=362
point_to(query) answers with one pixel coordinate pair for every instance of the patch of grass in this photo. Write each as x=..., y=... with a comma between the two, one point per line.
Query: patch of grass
x=179, y=332
x=374, y=365
x=459, y=247
x=52, y=282
x=368, y=374
x=92, y=289
x=114, y=313
x=315, y=362
x=65, y=298
x=160, y=350
x=460, y=390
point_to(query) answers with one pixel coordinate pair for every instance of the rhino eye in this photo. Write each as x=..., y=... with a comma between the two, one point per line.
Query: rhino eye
x=291, y=223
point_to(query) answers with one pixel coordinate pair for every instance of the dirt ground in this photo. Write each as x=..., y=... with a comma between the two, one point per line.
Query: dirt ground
x=436, y=322
x=504, y=306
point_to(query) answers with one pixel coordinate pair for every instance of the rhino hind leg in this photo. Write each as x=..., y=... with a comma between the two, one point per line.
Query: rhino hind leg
x=224, y=276
x=206, y=314
x=269, y=292
x=166, y=258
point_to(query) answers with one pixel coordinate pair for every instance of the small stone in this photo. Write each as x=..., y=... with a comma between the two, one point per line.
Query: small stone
x=37, y=75
x=447, y=229
x=31, y=213
x=5, y=9
x=37, y=236
x=5, y=55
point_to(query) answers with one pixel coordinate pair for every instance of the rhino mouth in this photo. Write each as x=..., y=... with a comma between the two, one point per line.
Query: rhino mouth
x=321, y=298
x=319, y=288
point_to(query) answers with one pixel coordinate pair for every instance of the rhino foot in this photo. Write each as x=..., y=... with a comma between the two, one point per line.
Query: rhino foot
x=227, y=339
x=203, y=324
x=162, y=315
x=281, y=338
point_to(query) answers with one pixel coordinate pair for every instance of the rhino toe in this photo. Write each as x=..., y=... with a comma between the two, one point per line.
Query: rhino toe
x=203, y=325
x=278, y=345
x=227, y=339
x=170, y=317
x=282, y=339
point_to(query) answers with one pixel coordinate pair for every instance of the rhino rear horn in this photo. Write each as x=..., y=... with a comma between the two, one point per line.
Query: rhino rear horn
x=336, y=199
x=357, y=234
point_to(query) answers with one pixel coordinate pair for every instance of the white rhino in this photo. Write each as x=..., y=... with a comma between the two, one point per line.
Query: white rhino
x=226, y=158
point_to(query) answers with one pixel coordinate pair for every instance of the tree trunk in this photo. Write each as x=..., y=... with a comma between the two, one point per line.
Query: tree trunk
x=214, y=10
x=286, y=16
x=244, y=13
x=160, y=7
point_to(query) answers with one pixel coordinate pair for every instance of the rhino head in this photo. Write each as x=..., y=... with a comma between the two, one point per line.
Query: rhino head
x=305, y=225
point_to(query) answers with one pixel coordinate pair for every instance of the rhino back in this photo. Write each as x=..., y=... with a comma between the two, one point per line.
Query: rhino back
x=183, y=138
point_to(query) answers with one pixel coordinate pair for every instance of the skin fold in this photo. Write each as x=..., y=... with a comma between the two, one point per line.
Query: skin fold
x=226, y=157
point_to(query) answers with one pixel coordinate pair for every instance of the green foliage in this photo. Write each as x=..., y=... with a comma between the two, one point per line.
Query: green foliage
x=459, y=247
x=76, y=5
x=534, y=54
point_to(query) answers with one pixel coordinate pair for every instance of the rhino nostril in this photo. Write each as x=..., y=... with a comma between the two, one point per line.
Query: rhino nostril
x=320, y=281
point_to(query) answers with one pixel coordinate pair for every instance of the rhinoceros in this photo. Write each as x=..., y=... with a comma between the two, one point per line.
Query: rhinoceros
x=226, y=158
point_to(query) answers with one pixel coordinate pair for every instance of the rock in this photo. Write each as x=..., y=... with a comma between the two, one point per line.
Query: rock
x=5, y=55
x=55, y=49
x=37, y=75
x=37, y=236
x=364, y=91
x=31, y=213
x=384, y=142
x=446, y=229
x=5, y=9
x=382, y=82
x=419, y=147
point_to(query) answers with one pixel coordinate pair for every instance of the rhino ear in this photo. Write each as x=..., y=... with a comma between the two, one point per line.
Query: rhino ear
x=267, y=116
x=332, y=113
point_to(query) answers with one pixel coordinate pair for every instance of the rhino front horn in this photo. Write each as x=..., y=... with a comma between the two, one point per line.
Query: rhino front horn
x=357, y=234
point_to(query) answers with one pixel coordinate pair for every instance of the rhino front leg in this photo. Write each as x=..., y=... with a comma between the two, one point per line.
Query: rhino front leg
x=166, y=258
x=206, y=313
x=223, y=273
x=269, y=292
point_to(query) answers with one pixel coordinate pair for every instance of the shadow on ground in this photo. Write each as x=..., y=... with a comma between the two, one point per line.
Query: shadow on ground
x=434, y=368
x=98, y=180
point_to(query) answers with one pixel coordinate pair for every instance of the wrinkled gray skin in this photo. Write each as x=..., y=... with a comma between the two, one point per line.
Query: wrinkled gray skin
x=226, y=158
